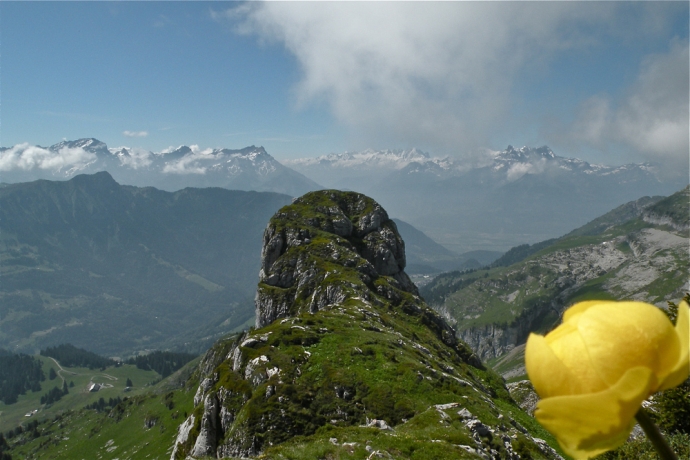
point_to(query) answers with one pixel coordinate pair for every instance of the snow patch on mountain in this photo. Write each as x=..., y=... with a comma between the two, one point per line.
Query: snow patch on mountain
x=512, y=163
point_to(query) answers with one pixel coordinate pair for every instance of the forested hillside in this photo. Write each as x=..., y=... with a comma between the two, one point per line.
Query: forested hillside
x=19, y=373
x=118, y=269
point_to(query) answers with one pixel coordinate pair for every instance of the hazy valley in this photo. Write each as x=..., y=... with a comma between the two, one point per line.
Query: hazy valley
x=638, y=251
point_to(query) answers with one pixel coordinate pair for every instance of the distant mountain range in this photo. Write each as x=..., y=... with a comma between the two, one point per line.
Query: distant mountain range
x=250, y=168
x=500, y=200
x=493, y=202
x=120, y=269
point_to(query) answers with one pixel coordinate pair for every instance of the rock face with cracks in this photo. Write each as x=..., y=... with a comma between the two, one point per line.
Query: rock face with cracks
x=346, y=356
x=318, y=235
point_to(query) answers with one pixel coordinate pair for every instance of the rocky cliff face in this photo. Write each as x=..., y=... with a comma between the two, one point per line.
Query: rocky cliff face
x=637, y=252
x=345, y=349
x=649, y=265
x=320, y=234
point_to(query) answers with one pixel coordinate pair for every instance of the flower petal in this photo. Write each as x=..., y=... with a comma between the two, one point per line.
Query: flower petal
x=570, y=348
x=587, y=425
x=548, y=374
x=581, y=307
x=643, y=337
x=682, y=368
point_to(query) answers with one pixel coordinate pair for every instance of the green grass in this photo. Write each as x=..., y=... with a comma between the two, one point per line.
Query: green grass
x=144, y=425
x=352, y=347
x=511, y=360
x=667, y=284
x=86, y=434
x=79, y=396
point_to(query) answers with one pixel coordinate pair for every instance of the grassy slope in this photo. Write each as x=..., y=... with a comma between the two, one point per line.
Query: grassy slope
x=124, y=432
x=144, y=425
x=79, y=396
x=141, y=427
x=386, y=373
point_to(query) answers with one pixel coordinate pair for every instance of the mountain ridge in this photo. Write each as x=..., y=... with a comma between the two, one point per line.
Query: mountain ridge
x=619, y=255
x=82, y=258
x=494, y=200
x=249, y=168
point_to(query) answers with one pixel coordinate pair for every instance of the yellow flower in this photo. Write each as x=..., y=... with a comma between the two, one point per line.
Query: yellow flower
x=593, y=371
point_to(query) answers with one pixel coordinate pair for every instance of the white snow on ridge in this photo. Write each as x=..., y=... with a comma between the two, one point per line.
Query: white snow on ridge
x=512, y=162
x=83, y=155
x=390, y=159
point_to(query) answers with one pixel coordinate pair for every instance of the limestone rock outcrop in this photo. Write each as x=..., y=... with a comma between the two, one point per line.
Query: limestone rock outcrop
x=322, y=233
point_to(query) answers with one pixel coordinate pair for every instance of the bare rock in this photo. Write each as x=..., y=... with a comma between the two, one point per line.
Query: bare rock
x=208, y=432
x=182, y=435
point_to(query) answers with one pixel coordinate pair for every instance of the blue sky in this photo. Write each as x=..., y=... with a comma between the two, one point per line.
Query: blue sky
x=607, y=82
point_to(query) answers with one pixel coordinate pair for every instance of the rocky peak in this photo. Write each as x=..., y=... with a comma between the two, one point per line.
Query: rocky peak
x=344, y=237
x=87, y=144
x=177, y=153
x=356, y=353
x=526, y=153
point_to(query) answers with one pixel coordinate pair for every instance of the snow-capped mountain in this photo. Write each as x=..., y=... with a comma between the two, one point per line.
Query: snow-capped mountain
x=511, y=164
x=250, y=168
x=351, y=169
x=494, y=200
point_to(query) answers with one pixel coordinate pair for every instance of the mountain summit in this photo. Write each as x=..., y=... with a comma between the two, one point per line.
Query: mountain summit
x=347, y=360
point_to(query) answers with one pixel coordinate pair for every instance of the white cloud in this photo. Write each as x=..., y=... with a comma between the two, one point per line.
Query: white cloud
x=135, y=133
x=426, y=73
x=518, y=170
x=137, y=158
x=191, y=163
x=652, y=117
x=27, y=157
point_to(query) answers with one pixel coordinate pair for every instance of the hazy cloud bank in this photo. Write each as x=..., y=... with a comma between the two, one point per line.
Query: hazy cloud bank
x=442, y=75
x=651, y=118
x=27, y=157
x=191, y=163
x=137, y=158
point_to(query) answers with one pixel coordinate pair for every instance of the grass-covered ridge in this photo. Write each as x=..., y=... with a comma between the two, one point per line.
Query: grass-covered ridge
x=674, y=208
x=372, y=367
